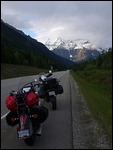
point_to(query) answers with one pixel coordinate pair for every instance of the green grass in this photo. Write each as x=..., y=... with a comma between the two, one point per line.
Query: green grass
x=96, y=86
x=11, y=71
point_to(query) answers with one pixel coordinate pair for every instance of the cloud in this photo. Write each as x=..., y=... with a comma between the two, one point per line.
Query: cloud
x=56, y=29
x=90, y=20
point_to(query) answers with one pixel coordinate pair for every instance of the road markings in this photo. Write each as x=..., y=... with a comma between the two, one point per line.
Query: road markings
x=4, y=115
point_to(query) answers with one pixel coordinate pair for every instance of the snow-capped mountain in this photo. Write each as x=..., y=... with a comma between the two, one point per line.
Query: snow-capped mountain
x=69, y=44
x=59, y=43
x=75, y=50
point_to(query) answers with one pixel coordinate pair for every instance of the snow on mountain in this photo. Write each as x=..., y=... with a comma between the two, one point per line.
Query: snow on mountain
x=74, y=50
x=69, y=44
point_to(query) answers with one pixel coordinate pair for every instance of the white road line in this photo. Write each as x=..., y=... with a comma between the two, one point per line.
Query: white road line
x=4, y=115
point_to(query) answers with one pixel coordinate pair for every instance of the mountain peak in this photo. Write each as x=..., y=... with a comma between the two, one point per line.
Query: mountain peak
x=74, y=50
x=70, y=44
x=59, y=42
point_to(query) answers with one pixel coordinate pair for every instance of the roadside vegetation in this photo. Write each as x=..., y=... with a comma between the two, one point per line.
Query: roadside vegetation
x=12, y=71
x=94, y=78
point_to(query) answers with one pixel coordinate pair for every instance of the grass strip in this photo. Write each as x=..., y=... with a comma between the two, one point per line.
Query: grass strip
x=98, y=97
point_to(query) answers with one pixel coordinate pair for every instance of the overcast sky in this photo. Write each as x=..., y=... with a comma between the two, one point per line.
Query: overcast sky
x=42, y=20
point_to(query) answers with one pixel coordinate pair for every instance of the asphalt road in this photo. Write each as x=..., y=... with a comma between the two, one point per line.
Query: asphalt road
x=71, y=126
x=56, y=130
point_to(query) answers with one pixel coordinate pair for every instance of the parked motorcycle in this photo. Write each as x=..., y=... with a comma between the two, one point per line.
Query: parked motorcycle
x=49, y=88
x=25, y=111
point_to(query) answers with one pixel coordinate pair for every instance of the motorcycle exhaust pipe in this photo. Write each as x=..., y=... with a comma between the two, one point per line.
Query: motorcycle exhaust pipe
x=39, y=131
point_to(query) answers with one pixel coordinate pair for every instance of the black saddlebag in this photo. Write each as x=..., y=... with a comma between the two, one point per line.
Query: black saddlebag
x=50, y=83
x=11, y=118
x=42, y=114
x=59, y=89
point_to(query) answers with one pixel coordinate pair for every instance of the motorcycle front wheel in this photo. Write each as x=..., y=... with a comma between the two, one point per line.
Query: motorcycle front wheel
x=31, y=141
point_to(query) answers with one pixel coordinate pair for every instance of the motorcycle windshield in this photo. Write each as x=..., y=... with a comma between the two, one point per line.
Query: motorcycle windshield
x=26, y=83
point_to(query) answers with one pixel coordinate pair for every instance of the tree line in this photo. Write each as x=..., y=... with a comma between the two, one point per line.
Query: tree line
x=12, y=55
x=103, y=61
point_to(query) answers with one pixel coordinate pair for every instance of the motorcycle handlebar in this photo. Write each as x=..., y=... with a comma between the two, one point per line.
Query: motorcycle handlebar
x=50, y=74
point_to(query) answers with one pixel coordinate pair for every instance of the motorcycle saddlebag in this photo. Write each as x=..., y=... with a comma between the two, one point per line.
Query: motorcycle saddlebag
x=11, y=102
x=42, y=114
x=59, y=89
x=32, y=99
x=50, y=83
x=11, y=118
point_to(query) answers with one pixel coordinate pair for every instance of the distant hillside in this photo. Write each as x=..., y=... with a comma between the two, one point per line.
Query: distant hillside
x=18, y=48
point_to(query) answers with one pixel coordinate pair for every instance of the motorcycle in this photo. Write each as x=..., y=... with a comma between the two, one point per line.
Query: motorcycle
x=49, y=88
x=26, y=111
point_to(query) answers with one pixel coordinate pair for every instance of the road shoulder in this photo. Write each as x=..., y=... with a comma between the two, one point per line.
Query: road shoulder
x=86, y=132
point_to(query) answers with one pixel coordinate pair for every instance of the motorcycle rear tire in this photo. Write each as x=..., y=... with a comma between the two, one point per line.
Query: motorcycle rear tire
x=53, y=102
x=31, y=141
